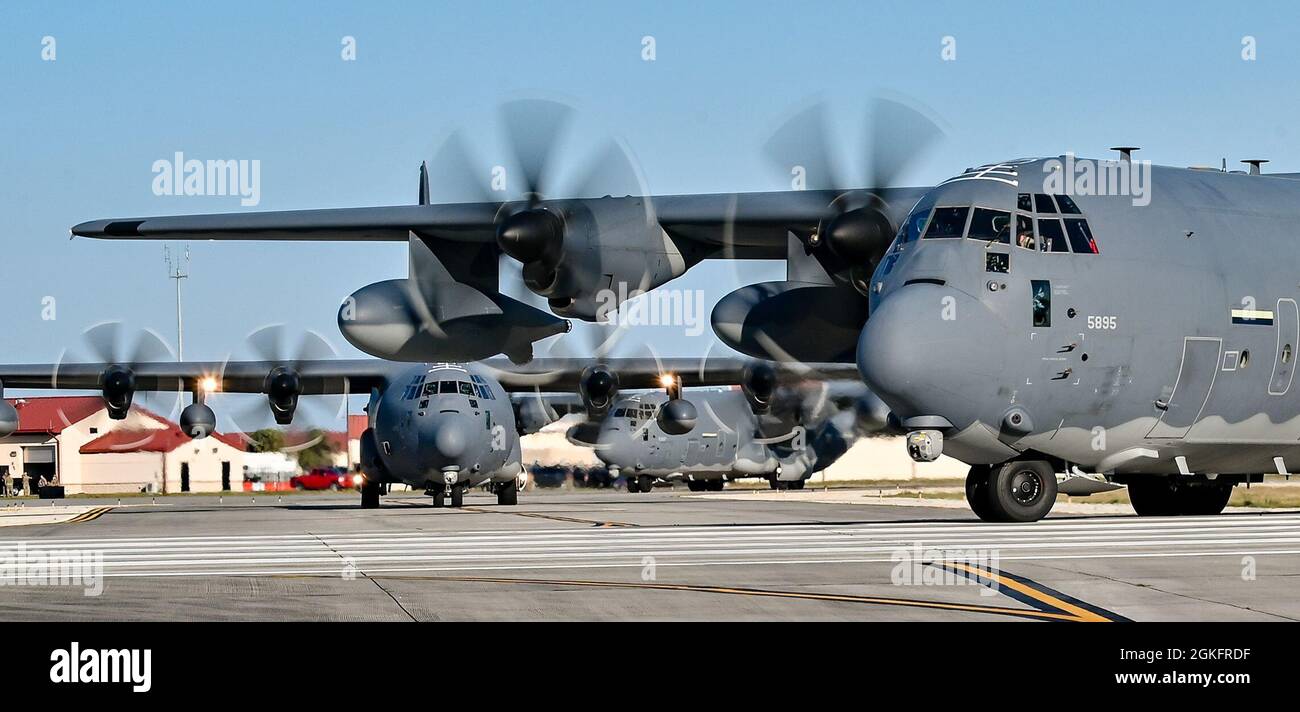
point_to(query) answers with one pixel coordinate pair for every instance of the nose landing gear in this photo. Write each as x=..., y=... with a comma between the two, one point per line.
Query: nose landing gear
x=1016, y=491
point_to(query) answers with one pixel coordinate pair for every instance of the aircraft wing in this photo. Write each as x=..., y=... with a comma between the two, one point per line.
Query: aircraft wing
x=548, y=374
x=754, y=224
x=317, y=377
x=469, y=222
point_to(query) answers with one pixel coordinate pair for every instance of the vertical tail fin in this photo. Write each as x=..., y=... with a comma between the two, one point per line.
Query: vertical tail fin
x=424, y=183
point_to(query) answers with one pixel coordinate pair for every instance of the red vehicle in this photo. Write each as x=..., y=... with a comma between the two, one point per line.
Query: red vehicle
x=323, y=478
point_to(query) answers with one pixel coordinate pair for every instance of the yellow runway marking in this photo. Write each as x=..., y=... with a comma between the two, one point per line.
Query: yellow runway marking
x=89, y=515
x=1058, y=614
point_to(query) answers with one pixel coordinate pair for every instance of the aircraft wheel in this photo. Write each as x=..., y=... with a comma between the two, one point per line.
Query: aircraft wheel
x=507, y=494
x=369, y=494
x=797, y=485
x=458, y=497
x=1022, y=491
x=437, y=498
x=696, y=485
x=717, y=485
x=771, y=483
x=977, y=492
x=1153, y=496
x=645, y=483
x=1207, y=499
x=782, y=485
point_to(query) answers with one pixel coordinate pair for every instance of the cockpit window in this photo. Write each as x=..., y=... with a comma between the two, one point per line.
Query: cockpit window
x=620, y=412
x=1050, y=235
x=1067, y=205
x=910, y=230
x=947, y=222
x=990, y=226
x=465, y=388
x=1022, y=203
x=1043, y=203
x=447, y=387
x=1080, y=236
x=1025, y=232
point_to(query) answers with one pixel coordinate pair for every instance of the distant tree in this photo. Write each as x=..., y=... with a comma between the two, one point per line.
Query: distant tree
x=319, y=454
x=266, y=440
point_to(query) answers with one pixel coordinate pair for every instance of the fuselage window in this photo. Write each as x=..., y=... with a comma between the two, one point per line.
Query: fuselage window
x=1041, y=291
x=1051, y=236
x=990, y=226
x=1022, y=203
x=1044, y=203
x=1025, y=232
x=1080, y=236
x=1067, y=204
x=947, y=222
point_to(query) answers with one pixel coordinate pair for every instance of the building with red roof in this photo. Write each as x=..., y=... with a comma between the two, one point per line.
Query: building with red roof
x=71, y=441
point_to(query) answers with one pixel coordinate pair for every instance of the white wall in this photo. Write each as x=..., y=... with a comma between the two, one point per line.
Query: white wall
x=204, y=458
x=120, y=472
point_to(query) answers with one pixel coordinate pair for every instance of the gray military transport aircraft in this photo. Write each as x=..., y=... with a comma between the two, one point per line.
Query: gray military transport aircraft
x=1023, y=329
x=443, y=427
x=780, y=435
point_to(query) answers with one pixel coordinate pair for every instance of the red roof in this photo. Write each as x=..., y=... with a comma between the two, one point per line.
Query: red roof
x=51, y=415
x=136, y=440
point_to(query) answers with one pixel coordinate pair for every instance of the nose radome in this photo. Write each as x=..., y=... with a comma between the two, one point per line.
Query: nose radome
x=928, y=349
x=449, y=437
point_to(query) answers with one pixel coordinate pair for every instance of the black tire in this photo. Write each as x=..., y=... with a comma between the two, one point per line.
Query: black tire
x=977, y=492
x=437, y=499
x=1153, y=496
x=782, y=485
x=1207, y=499
x=1156, y=496
x=771, y=483
x=508, y=494
x=457, y=497
x=717, y=485
x=369, y=494
x=797, y=485
x=645, y=483
x=696, y=485
x=1022, y=491
x=631, y=485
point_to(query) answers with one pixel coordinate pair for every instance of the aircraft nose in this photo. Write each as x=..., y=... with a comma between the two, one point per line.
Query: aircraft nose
x=447, y=438
x=928, y=350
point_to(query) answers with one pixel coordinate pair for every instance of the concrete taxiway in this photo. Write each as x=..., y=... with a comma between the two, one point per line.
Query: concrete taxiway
x=609, y=555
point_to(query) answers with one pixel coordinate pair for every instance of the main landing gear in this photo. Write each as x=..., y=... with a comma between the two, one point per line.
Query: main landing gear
x=370, y=491
x=1016, y=491
x=640, y=483
x=507, y=494
x=706, y=485
x=776, y=484
x=1161, y=496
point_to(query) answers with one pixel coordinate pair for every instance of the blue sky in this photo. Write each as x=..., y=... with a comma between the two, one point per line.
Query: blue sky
x=134, y=82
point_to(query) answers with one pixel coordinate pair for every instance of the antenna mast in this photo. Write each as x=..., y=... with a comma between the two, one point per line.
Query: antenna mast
x=178, y=269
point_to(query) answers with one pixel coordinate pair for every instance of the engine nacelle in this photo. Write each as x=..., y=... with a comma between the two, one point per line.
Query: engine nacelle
x=282, y=388
x=792, y=321
x=759, y=386
x=198, y=421
x=588, y=257
x=598, y=386
x=392, y=320
x=118, y=385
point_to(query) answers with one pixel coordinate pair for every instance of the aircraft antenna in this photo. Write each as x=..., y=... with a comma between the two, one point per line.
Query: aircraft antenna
x=178, y=269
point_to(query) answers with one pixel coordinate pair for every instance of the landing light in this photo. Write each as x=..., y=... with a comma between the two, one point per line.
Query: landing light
x=667, y=380
x=209, y=384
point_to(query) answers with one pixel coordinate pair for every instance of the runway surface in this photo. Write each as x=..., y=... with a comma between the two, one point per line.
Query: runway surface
x=604, y=555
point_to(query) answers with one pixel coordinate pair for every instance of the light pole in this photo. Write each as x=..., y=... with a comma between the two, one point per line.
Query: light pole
x=178, y=269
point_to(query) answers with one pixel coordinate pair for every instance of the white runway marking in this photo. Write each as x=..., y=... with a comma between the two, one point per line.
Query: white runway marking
x=595, y=548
